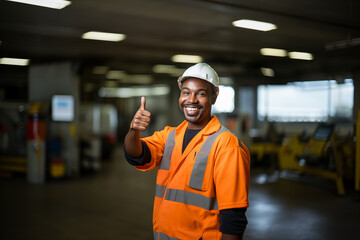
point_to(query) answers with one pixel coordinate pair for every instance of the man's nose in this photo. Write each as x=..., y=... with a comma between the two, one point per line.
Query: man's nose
x=192, y=98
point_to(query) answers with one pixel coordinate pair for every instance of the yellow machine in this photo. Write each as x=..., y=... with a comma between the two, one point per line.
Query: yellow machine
x=267, y=147
x=291, y=148
x=318, y=157
x=260, y=149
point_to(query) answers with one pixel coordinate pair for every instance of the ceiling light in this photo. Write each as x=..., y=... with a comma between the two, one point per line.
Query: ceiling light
x=186, y=58
x=301, y=55
x=14, y=61
x=273, y=52
x=115, y=74
x=268, y=72
x=128, y=92
x=254, y=25
x=161, y=68
x=168, y=69
x=139, y=79
x=57, y=4
x=104, y=36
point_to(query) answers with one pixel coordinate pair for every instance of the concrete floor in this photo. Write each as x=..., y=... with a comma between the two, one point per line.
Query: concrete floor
x=116, y=203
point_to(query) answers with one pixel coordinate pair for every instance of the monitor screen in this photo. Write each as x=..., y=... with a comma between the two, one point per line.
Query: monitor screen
x=323, y=132
x=62, y=108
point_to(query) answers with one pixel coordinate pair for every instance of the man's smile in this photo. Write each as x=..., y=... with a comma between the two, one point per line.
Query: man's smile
x=191, y=106
x=191, y=109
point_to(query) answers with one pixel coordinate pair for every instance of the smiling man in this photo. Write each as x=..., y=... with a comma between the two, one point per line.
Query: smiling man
x=202, y=182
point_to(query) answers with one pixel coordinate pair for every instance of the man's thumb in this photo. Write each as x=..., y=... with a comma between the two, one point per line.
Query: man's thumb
x=143, y=102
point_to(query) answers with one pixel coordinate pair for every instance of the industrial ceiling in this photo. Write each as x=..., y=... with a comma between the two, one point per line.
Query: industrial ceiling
x=158, y=29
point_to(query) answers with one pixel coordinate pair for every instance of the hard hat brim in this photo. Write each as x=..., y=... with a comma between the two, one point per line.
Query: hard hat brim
x=182, y=79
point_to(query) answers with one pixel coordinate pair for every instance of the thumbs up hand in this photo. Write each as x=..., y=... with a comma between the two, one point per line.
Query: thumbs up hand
x=142, y=117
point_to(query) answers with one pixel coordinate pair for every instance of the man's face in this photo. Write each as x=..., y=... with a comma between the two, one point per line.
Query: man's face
x=195, y=102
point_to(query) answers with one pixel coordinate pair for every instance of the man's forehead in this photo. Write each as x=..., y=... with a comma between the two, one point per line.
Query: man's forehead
x=189, y=81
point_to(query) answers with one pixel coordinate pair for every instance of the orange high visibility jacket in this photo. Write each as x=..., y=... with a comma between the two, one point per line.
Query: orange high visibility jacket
x=211, y=174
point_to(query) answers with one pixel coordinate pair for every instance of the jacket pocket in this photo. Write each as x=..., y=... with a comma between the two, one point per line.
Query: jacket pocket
x=198, y=180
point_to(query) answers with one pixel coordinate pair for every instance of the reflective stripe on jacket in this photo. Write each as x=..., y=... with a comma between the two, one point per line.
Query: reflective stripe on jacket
x=192, y=186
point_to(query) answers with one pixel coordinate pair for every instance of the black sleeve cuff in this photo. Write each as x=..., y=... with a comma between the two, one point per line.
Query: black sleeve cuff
x=142, y=160
x=233, y=221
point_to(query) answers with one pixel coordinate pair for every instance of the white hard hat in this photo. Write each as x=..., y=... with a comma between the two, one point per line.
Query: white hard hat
x=202, y=71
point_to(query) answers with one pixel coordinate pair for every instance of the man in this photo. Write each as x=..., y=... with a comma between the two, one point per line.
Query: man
x=203, y=177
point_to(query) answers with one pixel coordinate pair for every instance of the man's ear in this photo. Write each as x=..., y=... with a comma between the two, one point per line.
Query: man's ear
x=214, y=97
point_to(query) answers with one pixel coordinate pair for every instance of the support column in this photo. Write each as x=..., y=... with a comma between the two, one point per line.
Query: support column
x=45, y=81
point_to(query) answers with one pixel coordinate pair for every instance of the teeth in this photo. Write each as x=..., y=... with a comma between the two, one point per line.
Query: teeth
x=191, y=109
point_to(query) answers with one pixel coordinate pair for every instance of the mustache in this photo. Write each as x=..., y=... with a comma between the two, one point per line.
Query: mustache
x=191, y=105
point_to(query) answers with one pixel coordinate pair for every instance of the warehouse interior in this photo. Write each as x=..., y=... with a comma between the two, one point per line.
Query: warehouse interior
x=290, y=92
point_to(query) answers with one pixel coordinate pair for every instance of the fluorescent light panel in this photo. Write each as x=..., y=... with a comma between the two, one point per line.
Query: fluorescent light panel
x=104, y=36
x=273, y=52
x=180, y=58
x=301, y=55
x=116, y=74
x=128, y=92
x=254, y=25
x=161, y=68
x=138, y=79
x=268, y=72
x=14, y=61
x=123, y=77
x=283, y=53
x=168, y=69
x=56, y=4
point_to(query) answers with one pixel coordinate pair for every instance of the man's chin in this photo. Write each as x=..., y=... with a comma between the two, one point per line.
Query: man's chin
x=191, y=118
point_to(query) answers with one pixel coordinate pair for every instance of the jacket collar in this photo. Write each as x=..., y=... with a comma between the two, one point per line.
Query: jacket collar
x=211, y=127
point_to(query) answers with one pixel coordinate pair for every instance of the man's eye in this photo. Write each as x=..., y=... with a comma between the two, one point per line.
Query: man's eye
x=202, y=94
x=185, y=93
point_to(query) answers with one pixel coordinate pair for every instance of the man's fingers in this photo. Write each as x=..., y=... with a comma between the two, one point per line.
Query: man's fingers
x=138, y=124
x=145, y=114
x=141, y=120
x=142, y=124
x=143, y=103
